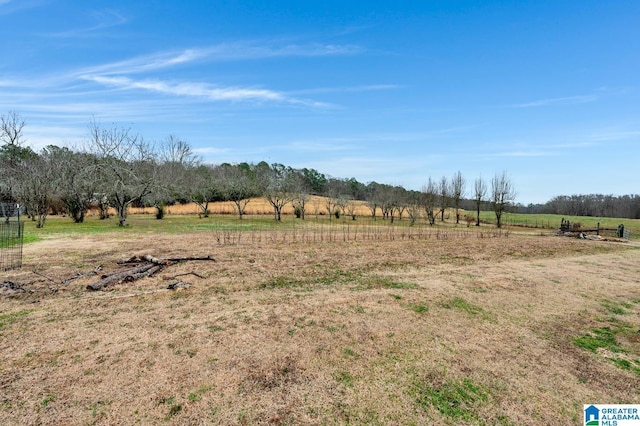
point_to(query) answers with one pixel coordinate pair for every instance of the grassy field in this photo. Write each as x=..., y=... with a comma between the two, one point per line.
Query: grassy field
x=552, y=221
x=259, y=218
x=304, y=323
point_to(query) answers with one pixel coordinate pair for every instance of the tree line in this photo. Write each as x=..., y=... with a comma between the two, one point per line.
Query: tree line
x=117, y=168
x=595, y=205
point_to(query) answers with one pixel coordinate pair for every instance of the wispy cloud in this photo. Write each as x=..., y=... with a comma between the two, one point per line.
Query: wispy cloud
x=352, y=89
x=118, y=74
x=568, y=100
x=146, y=63
x=220, y=52
x=201, y=90
x=190, y=89
x=614, y=135
x=12, y=6
x=523, y=154
x=106, y=18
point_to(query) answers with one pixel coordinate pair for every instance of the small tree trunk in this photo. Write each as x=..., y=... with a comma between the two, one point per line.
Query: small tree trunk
x=240, y=208
x=122, y=215
x=41, y=219
x=160, y=211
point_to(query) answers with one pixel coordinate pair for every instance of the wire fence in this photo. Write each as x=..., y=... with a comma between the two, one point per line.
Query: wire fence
x=346, y=232
x=11, y=239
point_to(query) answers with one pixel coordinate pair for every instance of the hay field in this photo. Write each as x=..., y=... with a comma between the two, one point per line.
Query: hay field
x=315, y=205
x=516, y=330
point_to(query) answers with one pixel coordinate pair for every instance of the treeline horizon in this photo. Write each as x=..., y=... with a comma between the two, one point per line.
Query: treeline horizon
x=118, y=168
x=591, y=205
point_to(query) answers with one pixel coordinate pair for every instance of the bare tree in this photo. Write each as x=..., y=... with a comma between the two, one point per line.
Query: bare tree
x=430, y=200
x=336, y=196
x=385, y=200
x=12, y=152
x=175, y=158
x=480, y=188
x=399, y=202
x=37, y=177
x=126, y=164
x=373, y=198
x=199, y=185
x=457, y=192
x=302, y=186
x=11, y=137
x=443, y=196
x=177, y=152
x=414, y=206
x=277, y=184
x=76, y=185
x=350, y=208
x=502, y=194
x=238, y=184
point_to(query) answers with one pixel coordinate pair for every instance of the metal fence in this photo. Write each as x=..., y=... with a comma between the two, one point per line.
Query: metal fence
x=11, y=237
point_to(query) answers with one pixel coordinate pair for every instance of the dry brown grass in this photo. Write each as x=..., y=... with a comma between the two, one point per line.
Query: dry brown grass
x=325, y=333
x=257, y=206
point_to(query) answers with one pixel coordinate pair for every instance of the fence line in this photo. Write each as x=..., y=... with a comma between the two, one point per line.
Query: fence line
x=343, y=232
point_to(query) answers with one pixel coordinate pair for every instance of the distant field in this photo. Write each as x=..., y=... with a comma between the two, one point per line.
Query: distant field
x=184, y=218
x=552, y=221
x=321, y=322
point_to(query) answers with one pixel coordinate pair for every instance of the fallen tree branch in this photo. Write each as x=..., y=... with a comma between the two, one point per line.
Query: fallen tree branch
x=128, y=275
x=186, y=259
x=44, y=276
x=177, y=285
x=183, y=274
x=95, y=271
x=147, y=265
x=158, y=261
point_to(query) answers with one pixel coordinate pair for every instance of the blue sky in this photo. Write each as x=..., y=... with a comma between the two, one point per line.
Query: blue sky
x=393, y=92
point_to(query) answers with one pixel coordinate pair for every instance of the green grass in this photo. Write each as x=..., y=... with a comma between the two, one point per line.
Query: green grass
x=333, y=275
x=142, y=223
x=330, y=277
x=616, y=308
x=344, y=377
x=456, y=400
x=385, y=282
x=11, y=317
x=462, y=305
x=197, y=395
x=606, y=338
x=183, y=224
x=599, y=338
x=48, y=399
x=418, y=308
x=552, y=221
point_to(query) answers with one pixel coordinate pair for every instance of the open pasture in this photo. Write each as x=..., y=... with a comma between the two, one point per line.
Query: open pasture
x=503, y=329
